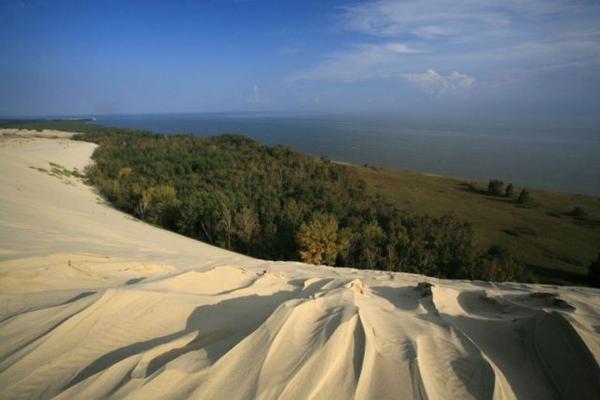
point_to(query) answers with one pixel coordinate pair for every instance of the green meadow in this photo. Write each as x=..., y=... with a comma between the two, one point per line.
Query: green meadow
x=556, y=244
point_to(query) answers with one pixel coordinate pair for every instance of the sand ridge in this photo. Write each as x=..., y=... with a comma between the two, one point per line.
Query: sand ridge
x=95, y=304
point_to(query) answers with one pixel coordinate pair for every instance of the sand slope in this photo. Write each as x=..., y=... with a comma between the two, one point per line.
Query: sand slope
x=96, y=304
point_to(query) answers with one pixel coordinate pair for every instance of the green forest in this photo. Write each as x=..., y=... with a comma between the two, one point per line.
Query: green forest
x=274, y=203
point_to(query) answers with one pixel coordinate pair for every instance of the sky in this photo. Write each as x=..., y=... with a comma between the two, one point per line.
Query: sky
x=402, y=57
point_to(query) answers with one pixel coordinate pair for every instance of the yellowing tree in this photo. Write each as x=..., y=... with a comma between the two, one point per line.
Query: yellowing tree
x=124, y=172
x=146, y=199
x=157, y=203
x=317, y=240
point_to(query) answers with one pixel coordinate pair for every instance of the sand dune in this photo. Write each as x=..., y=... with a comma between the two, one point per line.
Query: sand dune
x=96, y=304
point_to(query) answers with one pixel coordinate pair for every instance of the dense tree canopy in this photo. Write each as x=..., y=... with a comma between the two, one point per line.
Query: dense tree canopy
x=272, y=202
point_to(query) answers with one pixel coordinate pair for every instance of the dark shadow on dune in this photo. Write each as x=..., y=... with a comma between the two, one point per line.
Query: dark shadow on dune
x=230, y=318
x=517, y=332
x=31, y=340
x=200, y=341
x=556, y=360
x=133, y=281
x=568, y=360
x=483, y=386
x=312, y=288
x=235, y=289
x=539, y=300
x=79, y=296
x=360, y=343
x=409, y=299
x=121, y=383
x=45, y=306
x=219, y=328
x=297, y=282
x=476, y=302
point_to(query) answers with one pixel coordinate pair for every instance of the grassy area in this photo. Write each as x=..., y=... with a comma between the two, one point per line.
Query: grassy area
x=60, y=172
x=556, y=246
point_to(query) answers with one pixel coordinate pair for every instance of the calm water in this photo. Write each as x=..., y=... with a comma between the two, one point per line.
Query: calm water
x=564, y=157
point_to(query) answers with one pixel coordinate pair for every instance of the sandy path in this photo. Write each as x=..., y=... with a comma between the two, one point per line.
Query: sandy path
x=94, y=303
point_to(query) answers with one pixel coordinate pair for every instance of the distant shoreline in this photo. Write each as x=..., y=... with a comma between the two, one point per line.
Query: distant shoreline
x=554, y=157
x=431, y=149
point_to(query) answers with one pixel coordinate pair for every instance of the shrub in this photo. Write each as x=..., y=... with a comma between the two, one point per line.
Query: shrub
x=495, y=187
x=510, y=190
x=524, y=197
x=498, y=265
x=512, y=232
x=578, y=213
x=594, y=272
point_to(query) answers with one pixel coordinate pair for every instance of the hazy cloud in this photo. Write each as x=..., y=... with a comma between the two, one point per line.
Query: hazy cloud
x=361, y=62
x=258, y=96
x=430, y=18
x=438, y=84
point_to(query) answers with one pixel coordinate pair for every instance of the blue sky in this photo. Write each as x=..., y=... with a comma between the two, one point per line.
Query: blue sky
x=404, y=57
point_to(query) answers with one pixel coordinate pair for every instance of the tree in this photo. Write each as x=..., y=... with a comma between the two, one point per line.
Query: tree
x=345, y=237
x=498, y=265
x=454, y=246
x=372, y=238
x=226, y=225
x=246, y=225
x=594, y=272
x=392, y=260
x=163, y=208
x=317, y=240
x=146, y=199
x=524, y=197
x=495, y=187
x=510, y=190
x=189, y=215
x=578, y=213
x=201, y=213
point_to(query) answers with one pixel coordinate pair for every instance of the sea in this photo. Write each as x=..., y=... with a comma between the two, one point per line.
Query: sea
x=550, y=154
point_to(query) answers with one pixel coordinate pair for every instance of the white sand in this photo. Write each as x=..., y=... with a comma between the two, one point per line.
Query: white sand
x=96, y=304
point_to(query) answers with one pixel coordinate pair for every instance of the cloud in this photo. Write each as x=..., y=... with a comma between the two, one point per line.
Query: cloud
x=451, y=27
x=258, y=96
x=419, y=18
x=432, y=18
x=495, y=38
x=438, y=84
x=361, y=62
